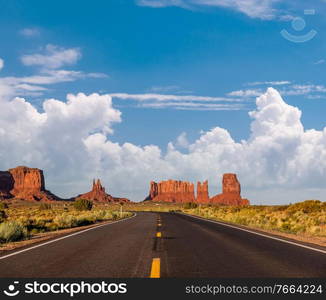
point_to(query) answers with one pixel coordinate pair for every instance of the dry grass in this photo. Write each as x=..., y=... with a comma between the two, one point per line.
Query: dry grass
x=154, y=207
x=306, y=218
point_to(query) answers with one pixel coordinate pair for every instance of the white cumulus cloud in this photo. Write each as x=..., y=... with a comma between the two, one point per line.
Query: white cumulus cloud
x=2, y=63
x=182, y=140
x=54, y=139
x=280, y=162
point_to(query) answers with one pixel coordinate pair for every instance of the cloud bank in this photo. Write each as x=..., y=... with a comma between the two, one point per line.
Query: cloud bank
x=72, y=142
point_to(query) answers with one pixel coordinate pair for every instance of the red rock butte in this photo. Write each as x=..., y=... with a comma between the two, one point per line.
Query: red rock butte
x=183, y=192
x=24, y=183
x=202, y=192
x=98, y=194
x=231, y=192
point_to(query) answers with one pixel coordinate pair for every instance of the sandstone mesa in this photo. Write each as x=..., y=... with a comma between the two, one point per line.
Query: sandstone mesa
x=26, y=184
x=171, y=191
x=183, y=192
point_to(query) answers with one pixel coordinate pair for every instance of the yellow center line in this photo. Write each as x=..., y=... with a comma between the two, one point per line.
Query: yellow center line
x=158, y=234
x=156, y=268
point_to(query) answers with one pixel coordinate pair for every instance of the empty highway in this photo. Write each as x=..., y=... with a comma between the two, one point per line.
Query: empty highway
x=165, y=245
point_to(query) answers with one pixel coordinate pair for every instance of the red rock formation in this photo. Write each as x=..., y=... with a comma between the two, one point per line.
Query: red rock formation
x=6, y=185
x=171, y=191
x=26, y=184
x=179, y=191
x=153, y=191
x=231, y=194
x=98, y=194
x=202, y=192
x=27, y=179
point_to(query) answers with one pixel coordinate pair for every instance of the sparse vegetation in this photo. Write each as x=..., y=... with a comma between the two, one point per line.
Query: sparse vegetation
x=45, y=206
x=308, y=217
x=154, y=207
x=11, y=232
x=83, y=204
x=3, y=216
x=190, y=205
x=3, y=205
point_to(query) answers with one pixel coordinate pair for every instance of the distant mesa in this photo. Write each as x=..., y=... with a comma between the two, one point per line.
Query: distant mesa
x=171, y=191
x=26, y=184
x=183, y=192
x=23, y=183
x=98, y=194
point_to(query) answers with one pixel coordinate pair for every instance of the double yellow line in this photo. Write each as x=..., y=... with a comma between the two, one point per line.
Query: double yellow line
x=156, y=263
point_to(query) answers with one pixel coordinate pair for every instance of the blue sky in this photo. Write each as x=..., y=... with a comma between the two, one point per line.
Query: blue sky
x=212, y=57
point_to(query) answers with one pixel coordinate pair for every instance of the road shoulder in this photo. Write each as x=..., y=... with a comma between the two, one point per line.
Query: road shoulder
x=319, y=244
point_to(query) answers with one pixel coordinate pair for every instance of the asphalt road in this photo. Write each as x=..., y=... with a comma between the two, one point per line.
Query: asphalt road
x=187, y=248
